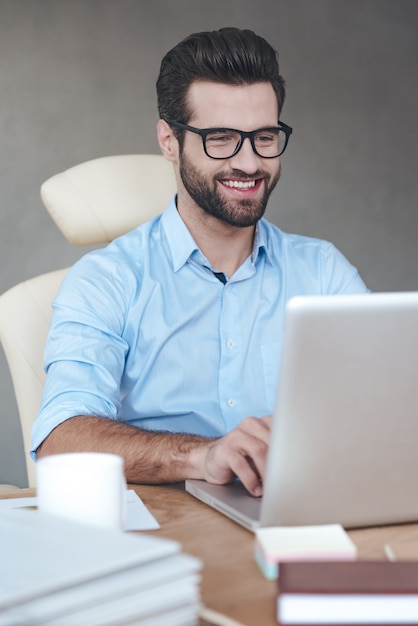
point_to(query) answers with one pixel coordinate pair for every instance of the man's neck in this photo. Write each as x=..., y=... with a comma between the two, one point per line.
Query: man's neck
x=225, y=246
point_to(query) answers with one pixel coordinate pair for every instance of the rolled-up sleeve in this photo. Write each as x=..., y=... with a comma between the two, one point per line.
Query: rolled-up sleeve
x=86, y=350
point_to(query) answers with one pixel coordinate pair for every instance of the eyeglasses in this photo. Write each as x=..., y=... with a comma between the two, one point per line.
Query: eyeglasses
x=224, y=143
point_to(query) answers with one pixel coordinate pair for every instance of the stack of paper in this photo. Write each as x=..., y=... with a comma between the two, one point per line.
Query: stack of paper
x=56, y=572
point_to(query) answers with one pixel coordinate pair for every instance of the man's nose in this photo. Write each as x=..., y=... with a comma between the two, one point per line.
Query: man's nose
x=246, y=159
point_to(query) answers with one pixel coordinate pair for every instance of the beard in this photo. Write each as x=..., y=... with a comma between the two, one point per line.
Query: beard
x=206, y=194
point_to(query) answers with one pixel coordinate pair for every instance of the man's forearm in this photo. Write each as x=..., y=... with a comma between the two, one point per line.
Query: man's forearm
x=150, y=457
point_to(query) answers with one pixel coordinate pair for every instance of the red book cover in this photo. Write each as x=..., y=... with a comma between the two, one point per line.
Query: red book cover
x=349, y=577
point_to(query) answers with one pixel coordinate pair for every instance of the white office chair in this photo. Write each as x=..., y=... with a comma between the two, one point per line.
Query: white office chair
x=91, y=203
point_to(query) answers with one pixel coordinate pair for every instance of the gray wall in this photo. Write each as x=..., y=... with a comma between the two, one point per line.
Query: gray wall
x=77, y=81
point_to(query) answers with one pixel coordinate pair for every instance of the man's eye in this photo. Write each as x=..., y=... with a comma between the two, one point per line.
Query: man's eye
x=265, y=138
x=221, y=138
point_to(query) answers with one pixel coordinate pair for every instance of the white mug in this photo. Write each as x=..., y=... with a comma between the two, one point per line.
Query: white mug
x=87, y=487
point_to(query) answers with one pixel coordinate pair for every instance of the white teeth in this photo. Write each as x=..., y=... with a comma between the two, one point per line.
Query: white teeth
x=239, y=184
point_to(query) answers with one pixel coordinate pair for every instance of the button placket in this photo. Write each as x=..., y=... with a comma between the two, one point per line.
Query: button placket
x=230, y=366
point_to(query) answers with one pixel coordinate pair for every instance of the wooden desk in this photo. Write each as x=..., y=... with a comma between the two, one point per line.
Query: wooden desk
x=232, y=584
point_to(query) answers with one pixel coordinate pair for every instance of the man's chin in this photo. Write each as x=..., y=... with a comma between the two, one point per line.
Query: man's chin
x=242, y=212
x=242, y=219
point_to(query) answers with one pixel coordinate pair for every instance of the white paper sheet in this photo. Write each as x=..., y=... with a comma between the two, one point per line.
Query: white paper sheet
x=138, y=517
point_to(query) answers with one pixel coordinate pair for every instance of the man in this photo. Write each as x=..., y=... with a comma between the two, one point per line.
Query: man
x=164, y=347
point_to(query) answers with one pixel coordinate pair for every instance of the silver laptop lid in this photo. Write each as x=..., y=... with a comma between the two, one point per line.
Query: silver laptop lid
x=345, y=430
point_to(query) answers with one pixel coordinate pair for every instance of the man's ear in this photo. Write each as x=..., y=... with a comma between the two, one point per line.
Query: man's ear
x=168, y=143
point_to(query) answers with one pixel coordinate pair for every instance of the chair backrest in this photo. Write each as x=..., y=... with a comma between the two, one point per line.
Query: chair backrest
x=91, y=203
x=98, y=200
x=25, y=312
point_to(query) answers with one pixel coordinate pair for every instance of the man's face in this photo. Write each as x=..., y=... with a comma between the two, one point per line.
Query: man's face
x=234, y=190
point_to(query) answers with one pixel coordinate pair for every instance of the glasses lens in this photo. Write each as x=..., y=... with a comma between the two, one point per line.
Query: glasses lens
x=221, y=144
x=270, y=143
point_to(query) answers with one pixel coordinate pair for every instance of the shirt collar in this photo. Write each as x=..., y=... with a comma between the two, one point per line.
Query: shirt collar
x=180, y=241
x=183, y=246
x=261, y=242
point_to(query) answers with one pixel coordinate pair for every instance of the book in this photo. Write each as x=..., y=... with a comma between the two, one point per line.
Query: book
x=358, y=592
x=301, y=543
x=60, y=572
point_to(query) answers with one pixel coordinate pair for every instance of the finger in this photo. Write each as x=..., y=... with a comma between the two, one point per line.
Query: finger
x=247, y=472
x=242, y=453
x=256, y=427
x=267, y=420
x=248, y=461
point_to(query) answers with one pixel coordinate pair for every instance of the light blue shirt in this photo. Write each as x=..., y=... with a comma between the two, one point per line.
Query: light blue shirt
x=144, y=333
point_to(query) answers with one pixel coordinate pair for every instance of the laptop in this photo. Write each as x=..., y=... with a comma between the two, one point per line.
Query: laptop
x=344, y=440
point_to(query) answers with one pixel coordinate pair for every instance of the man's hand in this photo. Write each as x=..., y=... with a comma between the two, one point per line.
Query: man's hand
x=241, y=453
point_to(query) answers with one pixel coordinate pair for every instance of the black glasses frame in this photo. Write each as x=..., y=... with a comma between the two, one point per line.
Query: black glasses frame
x=204, y=132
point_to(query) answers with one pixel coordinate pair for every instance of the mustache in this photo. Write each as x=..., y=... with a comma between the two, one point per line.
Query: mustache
x=240, y=175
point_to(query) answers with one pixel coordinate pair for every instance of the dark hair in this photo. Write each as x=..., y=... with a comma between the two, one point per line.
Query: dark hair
x=228, y=55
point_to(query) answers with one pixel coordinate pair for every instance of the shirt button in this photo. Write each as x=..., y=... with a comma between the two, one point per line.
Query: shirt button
x=231, y=403
x=230, y=343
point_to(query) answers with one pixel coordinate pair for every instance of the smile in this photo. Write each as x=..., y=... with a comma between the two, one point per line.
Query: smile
x=239, y=184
